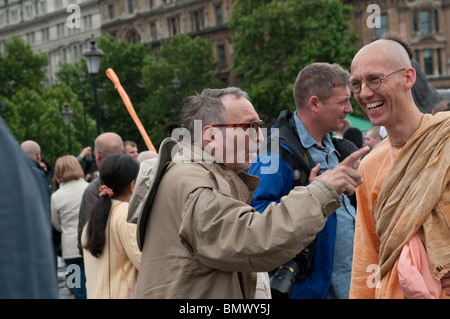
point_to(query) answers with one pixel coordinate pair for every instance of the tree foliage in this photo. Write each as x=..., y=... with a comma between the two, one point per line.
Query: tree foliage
x=126, y=60
x=273, y=40
x=21, y=68
x=189, y=60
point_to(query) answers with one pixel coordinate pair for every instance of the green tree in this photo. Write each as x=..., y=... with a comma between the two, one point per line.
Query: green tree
x=68, y=76
x=20, y=67
x=273, y=40
x=189, y=60
x=126, y=59
x=40, y=120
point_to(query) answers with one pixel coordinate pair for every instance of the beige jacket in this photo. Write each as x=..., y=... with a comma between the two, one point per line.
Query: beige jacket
x=203, y=240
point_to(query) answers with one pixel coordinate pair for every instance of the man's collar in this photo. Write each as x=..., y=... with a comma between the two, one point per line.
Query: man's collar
x=305, y=137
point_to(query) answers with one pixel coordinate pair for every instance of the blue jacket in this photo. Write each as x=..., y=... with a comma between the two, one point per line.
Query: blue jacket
x=272, y=187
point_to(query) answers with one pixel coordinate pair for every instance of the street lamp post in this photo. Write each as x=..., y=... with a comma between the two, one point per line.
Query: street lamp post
x=67, y=115
x=82, y=79
x=93, y=58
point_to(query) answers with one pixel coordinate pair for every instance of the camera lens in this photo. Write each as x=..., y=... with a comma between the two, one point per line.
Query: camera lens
x=282, y=281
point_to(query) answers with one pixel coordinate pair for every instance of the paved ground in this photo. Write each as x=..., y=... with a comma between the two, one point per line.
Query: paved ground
x=64, y=292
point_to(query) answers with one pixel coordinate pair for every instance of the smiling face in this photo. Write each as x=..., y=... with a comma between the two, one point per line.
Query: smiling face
x=386, y=60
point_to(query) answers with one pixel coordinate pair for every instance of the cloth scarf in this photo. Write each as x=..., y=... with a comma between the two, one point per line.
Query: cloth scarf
x=408, y=197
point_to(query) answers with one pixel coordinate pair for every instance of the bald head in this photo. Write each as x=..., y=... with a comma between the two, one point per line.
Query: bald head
x=32, y=150
x=382, y=77
x=107, y=144
x=389, y=52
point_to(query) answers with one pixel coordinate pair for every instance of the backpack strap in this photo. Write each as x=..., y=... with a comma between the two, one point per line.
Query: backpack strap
x=291, y=149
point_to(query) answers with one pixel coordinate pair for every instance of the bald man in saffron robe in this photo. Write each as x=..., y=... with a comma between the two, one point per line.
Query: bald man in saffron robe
x=404, y=201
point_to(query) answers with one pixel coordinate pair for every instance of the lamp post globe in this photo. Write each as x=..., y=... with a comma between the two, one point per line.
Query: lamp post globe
x=93, y=59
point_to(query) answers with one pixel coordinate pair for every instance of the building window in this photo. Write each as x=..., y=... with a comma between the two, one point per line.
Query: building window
x=133, y=37
x=130, y=6
x=219, y=15
x=222, y=56
x=414, y=21
x=45, y=34
x=436, y=21
x=150, y=4
x=439, y=62
x=383, y=26
x=428, y=61
x=111, y=11
x=153, y=31
x=425, y=21
x=197, y=25
x=173, y=24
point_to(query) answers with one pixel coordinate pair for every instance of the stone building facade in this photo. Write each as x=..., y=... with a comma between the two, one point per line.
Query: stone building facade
x=424, y=23
x=43, y=23
x=51, y=27
x=152, y=21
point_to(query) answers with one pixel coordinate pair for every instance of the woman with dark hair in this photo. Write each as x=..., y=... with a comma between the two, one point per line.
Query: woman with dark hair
x=111, y=254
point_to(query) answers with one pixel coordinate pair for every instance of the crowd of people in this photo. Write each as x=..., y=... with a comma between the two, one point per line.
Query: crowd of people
x=221, y=215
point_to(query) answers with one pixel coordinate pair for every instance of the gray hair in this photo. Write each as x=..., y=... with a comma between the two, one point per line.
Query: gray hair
x=318, y=79
x=207, y=107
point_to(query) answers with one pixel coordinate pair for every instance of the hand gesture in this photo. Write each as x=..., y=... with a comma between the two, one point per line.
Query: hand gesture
x=344, y=178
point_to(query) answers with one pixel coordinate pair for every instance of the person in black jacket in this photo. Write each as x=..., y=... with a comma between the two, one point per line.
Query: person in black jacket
x=298, y=142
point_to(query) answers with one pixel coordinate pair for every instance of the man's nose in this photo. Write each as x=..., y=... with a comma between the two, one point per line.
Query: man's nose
x=260, y=136
x=365, y=90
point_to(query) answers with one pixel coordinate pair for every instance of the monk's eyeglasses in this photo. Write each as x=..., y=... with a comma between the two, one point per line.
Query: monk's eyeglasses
x=374, y=82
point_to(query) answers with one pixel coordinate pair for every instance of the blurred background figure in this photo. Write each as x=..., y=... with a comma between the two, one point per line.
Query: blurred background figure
x=339, y=133
x=131, y=149
x=373, y=137
x=355, y=136
x=65, y=208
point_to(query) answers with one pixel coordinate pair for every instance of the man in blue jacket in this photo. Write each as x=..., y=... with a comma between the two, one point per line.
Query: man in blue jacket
x=303, y=141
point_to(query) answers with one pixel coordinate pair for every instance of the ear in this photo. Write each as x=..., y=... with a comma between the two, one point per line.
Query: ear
x=131, y=186
x=209, y=138
x=314, y=103
x=208, y=134
x=410, y=78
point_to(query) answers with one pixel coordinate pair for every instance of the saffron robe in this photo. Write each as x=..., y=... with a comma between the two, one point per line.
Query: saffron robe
x=376, y=218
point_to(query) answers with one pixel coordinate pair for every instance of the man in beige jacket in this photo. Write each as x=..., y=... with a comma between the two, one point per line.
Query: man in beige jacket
x=199, y=236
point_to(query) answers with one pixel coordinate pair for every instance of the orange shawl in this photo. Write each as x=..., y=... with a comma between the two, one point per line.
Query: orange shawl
x=412, y=199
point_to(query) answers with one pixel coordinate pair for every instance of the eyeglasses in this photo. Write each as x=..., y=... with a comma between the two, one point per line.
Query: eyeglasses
x=373, y=82
x=254, y=125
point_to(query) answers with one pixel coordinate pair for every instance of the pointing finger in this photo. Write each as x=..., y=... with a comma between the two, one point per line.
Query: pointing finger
x=352, y=159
